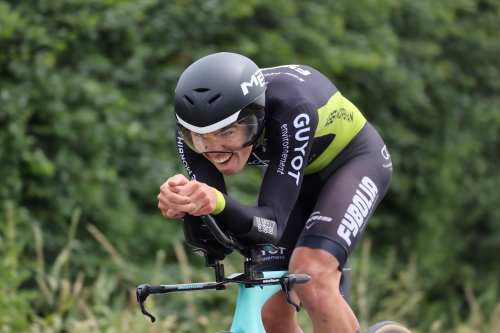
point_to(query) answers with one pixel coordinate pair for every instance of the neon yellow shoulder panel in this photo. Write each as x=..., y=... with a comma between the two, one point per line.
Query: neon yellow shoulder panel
x=340, y=118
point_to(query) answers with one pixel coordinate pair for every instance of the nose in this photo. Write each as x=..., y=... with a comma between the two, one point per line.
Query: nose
x=211, y=144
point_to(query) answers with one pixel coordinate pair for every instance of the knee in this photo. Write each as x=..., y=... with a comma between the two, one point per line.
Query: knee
x=277, y=315
x=325, y=279
x=322, y=267
x=268, y=315
x=320, y=285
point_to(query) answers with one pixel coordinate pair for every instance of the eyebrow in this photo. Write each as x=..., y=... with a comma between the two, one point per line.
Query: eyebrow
x=225, y=128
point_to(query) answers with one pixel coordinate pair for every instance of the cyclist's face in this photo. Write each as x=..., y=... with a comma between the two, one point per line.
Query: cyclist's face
x=225, y=144
x=230, y=164
x=229, y=138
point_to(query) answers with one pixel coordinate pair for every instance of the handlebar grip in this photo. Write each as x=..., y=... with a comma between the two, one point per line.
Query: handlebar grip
x=301, y=278
x=155, y=289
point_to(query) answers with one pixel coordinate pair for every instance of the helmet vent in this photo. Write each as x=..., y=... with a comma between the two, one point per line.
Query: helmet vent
x=189, y=100
x=213, y=99
x=201, y=90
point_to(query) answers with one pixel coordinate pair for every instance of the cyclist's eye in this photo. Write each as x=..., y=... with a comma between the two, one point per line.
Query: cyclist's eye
x=226, y=133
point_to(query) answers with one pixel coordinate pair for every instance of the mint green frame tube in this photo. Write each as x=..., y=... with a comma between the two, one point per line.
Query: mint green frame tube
x=247, y=317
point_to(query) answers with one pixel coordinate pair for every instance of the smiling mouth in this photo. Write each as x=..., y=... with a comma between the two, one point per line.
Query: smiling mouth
x=221, y=158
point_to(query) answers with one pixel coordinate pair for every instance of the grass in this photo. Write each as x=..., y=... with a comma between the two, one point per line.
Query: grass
x=61, y=302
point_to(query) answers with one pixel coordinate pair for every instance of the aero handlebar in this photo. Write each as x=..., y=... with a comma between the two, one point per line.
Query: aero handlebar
x=220, y=235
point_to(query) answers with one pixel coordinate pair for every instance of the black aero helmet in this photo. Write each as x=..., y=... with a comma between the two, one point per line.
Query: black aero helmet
x=220, y=99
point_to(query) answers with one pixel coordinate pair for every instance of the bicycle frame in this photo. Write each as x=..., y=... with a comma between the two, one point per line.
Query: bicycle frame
x=252, y=294
x=251, y=300
x=247, y=314
x=254, y=288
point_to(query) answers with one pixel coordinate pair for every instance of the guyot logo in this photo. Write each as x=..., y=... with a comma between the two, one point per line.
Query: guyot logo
x=362, y=204
x=385, y=153
x=300, y=122
x=280, y=250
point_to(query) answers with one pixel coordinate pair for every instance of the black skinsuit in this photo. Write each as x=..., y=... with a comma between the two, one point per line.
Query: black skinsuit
x=327, y=168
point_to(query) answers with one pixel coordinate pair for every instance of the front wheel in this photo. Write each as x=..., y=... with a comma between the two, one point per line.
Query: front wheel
x=387, y=327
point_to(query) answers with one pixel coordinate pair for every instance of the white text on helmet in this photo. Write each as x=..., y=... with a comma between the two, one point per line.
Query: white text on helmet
x=256, y=79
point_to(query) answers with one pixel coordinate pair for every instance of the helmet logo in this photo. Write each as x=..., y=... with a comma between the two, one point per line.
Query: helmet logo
x=256, y=79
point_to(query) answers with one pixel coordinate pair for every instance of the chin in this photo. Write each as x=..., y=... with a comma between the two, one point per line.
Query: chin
x=231, y=172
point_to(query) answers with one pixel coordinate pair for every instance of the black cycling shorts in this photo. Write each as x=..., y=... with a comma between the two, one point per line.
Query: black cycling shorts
x=334, y=205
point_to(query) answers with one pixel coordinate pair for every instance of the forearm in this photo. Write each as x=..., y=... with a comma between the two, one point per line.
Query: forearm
x=238, y=218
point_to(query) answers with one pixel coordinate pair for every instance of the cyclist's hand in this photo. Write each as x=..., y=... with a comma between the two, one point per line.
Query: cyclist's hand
x=202, y=195
x=172, y=204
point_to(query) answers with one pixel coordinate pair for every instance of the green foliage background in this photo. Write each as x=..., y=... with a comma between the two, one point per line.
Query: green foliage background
x=86, y=139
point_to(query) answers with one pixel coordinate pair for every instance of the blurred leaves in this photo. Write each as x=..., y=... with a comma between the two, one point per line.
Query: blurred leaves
x=86, y=122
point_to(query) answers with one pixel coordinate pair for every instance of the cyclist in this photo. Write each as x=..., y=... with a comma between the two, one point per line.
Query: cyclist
x=327, y=169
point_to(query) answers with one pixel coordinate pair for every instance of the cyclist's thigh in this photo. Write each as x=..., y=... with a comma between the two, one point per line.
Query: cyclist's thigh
x=347, y=200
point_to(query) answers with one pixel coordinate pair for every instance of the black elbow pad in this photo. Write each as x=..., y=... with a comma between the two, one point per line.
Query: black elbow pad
x=263, y=231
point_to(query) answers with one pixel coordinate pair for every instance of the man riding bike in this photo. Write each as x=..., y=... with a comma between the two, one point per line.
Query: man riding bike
x=327, y=171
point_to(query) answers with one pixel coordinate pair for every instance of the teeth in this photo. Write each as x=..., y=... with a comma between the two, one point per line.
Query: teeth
x=221, y=159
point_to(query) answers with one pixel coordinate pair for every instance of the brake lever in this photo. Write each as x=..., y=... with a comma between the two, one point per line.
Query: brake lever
x=287, y=282
x=143, y=291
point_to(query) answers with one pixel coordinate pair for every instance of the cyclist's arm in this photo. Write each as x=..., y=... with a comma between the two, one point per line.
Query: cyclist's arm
x=291, y=141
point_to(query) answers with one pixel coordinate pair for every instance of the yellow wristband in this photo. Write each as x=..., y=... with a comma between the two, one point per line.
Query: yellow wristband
x=221, y=203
